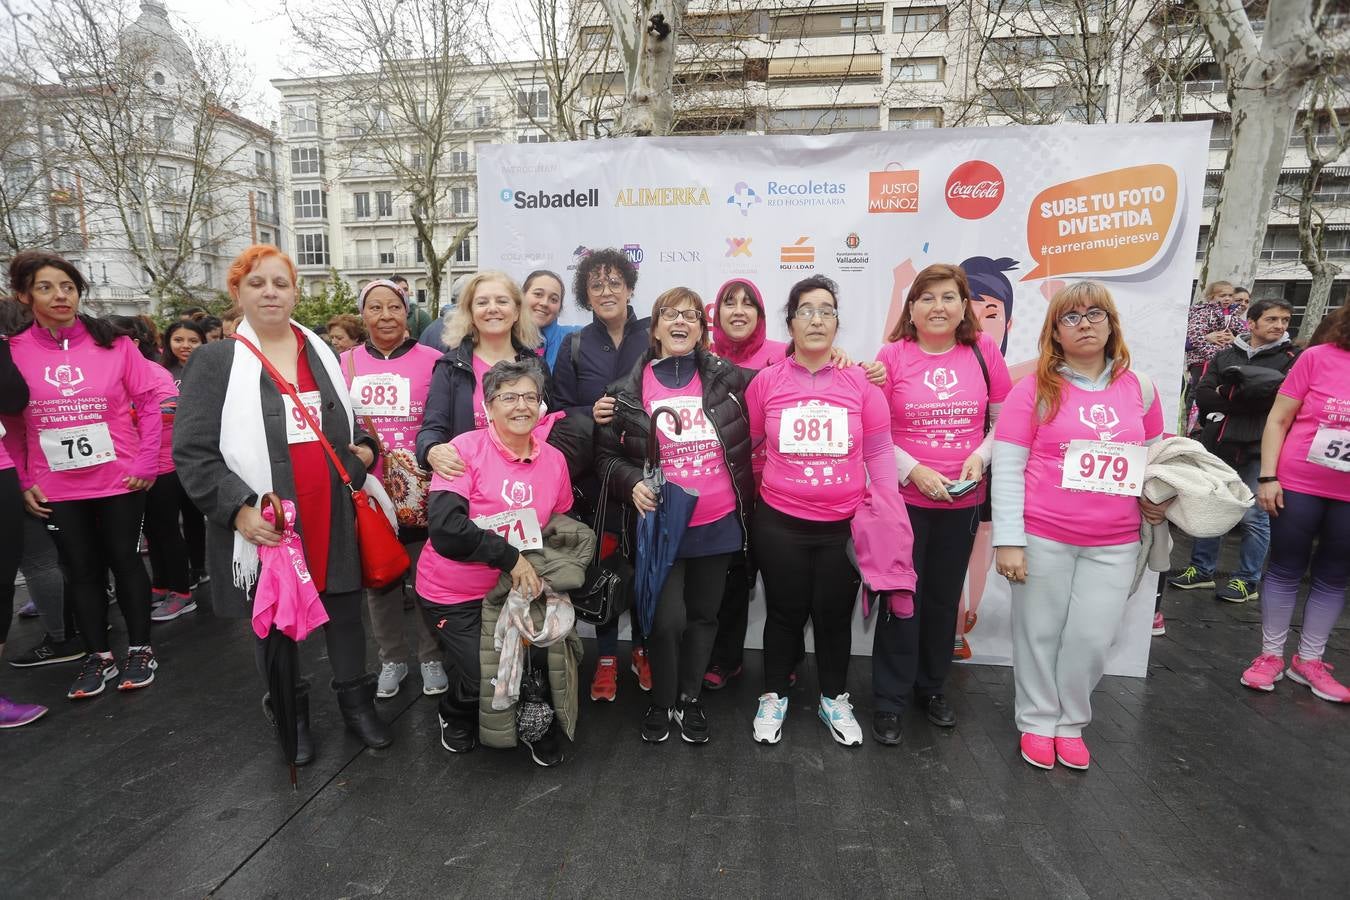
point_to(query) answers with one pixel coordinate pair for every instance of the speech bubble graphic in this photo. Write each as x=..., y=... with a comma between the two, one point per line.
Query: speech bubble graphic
x=1113, y=222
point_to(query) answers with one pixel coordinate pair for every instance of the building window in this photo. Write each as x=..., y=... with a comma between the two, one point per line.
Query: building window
x=418, y=162
x=915, y=119
x=311, y=204
x=169, y=224
x=166, y=178
x=462, y=253
x=824, y=119
x=264, y=200
x=867, y=23
x=260, y=162
x=422, y=111
x=386, y=250
x=265, y=237
x=303, y=118
x=919, y=20
x=311, y=249
x=459, y=160
x=917, y=69
x=306, y=161
x=532, y=104
x=594, y=38
x=418, y=254
x=163, y=129
x=532, y=138
x=459, y=201
x=384, y=203
x=362, y=202
x=482, y=113
x=158, y=79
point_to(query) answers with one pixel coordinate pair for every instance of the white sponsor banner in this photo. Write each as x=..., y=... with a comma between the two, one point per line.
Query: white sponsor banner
x=1023, y=209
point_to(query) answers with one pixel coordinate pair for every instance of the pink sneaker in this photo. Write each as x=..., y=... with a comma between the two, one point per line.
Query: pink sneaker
x=1072, y=752
x=15, y=715
x=1159, y=626
x=1038, y=750
x=1264, y=671
x=1316, y=675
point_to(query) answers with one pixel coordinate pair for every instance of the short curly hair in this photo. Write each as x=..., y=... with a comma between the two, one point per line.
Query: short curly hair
x=597, y=261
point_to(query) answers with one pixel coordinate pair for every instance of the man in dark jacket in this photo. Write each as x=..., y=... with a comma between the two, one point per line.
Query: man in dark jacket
x=1235, y=395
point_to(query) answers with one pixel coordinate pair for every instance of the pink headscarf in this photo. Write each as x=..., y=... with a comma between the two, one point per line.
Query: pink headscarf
x=737, y=351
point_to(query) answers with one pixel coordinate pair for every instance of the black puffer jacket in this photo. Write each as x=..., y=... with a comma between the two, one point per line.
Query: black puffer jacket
x=1235, y=398
x=449, y=410
x=624, y=439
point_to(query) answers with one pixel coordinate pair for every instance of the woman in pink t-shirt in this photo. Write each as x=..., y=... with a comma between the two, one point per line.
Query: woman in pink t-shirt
x=945, y=383
x=710, y=456
x=1068, y=474
x=820, y=433
x=1305, y=487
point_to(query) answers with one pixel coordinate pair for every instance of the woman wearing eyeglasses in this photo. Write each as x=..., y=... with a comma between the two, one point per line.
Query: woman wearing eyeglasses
x=820, y=433
x=589, y=361
x=1068, y=446
x=710, y=456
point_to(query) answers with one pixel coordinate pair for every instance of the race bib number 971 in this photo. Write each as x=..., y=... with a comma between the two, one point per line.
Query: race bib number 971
x=520, y=527
x=1331, y=448
x=814, y=431
x=77, y=447
x=1105, y=467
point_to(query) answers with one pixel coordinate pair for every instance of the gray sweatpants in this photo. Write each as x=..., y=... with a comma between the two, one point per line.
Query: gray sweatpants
x=387, y=618
x=1064, y=619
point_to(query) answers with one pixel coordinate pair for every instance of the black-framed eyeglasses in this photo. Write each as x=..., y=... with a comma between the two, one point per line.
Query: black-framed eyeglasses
x=512, y=398
x=1095, y=315
x=670, y=314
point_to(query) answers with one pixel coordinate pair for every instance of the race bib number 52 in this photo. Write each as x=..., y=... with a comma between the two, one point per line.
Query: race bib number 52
x=1105, y=467
x=814, y=431
x=1331, y=448
x=77, y=447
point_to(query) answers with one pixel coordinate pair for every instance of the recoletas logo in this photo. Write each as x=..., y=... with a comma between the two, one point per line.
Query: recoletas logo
x=541, y=199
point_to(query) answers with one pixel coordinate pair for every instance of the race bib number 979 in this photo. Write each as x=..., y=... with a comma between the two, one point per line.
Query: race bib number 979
x=1105, y=467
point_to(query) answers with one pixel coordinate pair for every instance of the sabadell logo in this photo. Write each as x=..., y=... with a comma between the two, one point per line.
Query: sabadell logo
x=547, y=200
x=974, y=189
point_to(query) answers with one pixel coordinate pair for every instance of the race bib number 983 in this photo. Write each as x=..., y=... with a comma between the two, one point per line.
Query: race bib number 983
x=385, y=394
x=1105, y=467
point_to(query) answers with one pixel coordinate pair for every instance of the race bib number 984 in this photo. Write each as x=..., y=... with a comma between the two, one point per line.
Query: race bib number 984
x=814, y=431
x=1105, y=467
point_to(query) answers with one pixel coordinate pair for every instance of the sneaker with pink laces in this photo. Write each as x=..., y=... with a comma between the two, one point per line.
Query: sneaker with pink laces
x=1316, y=675
x=1159, y=624
x=1264, y=671
x=1072, y=752
x=1039, y=750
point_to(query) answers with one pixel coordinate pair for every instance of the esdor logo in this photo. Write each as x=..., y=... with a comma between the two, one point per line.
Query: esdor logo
x=974, y=189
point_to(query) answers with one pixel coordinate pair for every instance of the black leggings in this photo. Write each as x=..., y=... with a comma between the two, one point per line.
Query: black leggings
x=458, y=628
x=93, y=536
x=344, y=634
x=685, y=626
x=194, y=530
x=733, y=616
x=11, y=544
x=807, y=576
x=168, y=550
x=915, y=654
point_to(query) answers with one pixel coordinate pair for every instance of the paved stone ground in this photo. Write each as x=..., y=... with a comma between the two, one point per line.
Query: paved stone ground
x=1199, y=788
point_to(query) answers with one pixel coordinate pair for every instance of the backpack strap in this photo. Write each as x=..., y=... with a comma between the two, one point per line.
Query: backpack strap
x=574, y=350
x=984, y=370
x=1148, y=391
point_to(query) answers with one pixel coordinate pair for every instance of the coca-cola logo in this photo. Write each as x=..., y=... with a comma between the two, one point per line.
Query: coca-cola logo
x=974, y=189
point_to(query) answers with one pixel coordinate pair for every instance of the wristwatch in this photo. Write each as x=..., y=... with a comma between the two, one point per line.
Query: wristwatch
x=1266, y=479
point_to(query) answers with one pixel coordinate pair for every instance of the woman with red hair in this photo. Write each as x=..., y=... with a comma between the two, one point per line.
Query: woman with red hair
x=239, y=435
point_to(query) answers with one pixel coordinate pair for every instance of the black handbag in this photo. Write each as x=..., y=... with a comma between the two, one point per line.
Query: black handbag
x=608, y=590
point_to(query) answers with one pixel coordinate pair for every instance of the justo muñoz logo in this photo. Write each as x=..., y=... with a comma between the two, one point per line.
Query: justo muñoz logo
x=974, y=189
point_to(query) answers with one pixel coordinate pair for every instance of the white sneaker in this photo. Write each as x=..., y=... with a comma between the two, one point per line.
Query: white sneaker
x=434, y=680
x=391, y=676
x=769, y=718
x=837, y=714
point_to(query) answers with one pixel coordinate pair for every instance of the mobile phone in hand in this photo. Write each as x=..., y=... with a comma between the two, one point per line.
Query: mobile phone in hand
x=961, y=488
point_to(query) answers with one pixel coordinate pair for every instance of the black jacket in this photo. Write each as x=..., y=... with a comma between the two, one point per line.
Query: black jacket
x=598, y=363
x=449, y=410
x=624, y=440
x=13, y=389
x=1239, y=391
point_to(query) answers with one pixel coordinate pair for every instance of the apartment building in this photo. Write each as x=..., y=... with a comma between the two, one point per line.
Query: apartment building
x=358, y=171
x=183, y=186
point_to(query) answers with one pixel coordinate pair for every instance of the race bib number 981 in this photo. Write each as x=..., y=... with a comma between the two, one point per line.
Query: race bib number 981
x=814, y=431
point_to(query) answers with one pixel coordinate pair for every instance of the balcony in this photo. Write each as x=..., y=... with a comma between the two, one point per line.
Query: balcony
x=351, y=216
x=268, y=217
x=378, y=261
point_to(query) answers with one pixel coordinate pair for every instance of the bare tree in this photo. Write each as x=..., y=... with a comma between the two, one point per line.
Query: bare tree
x=1312, y=218
x=646, y=32
x=1266, y=80
x=406, y=94
x=142, y=135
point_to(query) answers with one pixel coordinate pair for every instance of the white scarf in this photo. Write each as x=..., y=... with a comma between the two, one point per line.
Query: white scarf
x=243, y=440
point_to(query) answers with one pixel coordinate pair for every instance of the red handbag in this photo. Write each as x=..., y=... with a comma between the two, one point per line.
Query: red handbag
x=384, y=559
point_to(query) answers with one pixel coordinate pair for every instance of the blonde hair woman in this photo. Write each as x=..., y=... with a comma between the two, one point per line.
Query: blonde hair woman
x=488, y=326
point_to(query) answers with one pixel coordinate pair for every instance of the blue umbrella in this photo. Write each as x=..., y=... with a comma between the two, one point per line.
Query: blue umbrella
x=659, y=532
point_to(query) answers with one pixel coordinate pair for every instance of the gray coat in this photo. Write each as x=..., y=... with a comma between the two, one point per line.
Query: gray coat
x=219, y=493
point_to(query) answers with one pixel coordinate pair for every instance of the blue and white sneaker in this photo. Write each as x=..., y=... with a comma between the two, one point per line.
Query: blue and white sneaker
x=769, y=718
x=837, y=714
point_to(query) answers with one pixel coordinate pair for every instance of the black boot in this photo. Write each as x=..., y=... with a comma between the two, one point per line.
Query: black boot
x=356, y=699
x=304, y=741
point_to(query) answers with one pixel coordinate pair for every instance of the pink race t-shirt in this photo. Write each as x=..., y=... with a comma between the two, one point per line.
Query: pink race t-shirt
x=937, y=403
x=693, y=459
x=1079, y=518
x=77, y=438
x=769, y=352
x=811, y=428
x=380, y=388
x=480, y=369
x=1320, y=380
x=494, y=481
x=167, y=412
